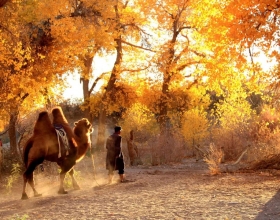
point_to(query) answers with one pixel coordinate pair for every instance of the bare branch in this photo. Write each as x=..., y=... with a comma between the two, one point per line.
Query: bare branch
x=192, y=84
x=136, y=27
x=24, y=96
x=4, y=132
x=172, y=16
x=125, y=4
x=180, y=54
x=96, y=81
x=135, y=70
x=182, y=67
x=7, y=30
x=241, y=156
x=252, y=59
x=198, y=53
x=136, y=46
x=185, y=27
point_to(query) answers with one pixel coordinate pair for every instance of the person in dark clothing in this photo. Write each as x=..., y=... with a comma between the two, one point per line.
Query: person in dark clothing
x=114, y=158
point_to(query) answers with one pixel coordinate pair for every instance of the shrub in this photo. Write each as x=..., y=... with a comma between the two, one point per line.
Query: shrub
x=213, y=159
x=13, y=177
x=195, y=128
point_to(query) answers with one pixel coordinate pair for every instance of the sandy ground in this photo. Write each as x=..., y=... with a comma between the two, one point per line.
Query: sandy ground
x=178, y=191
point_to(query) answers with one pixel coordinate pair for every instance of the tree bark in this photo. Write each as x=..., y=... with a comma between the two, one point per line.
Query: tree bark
x=12, y=133
x=3, y=2
x=167, y=75
x=85, y=81
x=108, y=95
x=164, y=99
x=100, y=142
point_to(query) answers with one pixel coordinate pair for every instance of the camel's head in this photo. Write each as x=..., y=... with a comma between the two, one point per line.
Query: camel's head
x=83, y=127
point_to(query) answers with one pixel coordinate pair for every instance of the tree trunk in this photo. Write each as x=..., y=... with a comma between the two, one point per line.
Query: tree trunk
x=87, y=110
x=12, y=133
x=167, y=75
x=100, y=143
x=3, y=2
x=107, y=97
x=86, y=91
x=163, y=117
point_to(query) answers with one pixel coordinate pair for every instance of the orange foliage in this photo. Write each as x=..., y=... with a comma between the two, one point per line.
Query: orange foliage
x=163, y=50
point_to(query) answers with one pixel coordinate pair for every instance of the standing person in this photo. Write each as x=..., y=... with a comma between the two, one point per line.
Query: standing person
x=114, y=158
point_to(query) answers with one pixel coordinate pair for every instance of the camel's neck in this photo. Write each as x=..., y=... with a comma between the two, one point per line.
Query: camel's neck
x=82, y=146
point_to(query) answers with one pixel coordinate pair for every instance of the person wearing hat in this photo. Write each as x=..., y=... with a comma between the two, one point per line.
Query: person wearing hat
x=114, y=158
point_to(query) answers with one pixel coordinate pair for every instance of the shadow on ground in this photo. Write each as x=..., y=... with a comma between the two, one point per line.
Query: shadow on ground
x=271, y=210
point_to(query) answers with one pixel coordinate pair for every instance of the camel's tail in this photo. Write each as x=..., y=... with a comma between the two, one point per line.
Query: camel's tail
x=26, y=151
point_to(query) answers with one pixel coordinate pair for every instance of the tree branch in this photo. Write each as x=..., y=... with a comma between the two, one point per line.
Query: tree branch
x=241, y=156
x=96, y=81
x=182, y=67
x=136, y=46
x=197, y=53
x=4, y=132
x=185, y=27
x=136, y=27
x=7, y=30
x=252, y=59
x=24, y=96
x=125, y=4
x=180, y=54
x=171, y=15
x=192, y=84
x=136, y=70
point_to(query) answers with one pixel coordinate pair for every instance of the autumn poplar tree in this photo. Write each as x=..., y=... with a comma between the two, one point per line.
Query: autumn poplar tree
x=256, y=27
x=177, y=54
x=83, y=29
x=23, y=84
x=130, y=40
x=33, y=59
x=237, y=38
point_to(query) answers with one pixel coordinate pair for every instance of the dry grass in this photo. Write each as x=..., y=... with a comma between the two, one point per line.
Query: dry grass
x=213, y=159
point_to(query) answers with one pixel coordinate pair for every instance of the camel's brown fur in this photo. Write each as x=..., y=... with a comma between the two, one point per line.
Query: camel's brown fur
x=43, y=145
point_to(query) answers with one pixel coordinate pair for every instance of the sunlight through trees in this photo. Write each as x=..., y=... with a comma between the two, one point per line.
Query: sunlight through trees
x=196, y=71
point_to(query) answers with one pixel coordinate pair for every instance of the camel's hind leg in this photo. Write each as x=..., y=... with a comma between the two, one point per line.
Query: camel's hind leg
x=74, y=182
x=24, y=195
x=28, y=177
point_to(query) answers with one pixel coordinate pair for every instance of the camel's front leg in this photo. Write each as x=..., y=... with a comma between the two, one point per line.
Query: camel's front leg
x=61, y=188
x=74, y=182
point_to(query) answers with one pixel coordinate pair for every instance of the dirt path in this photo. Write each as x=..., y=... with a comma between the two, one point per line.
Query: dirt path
x=181, y=191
